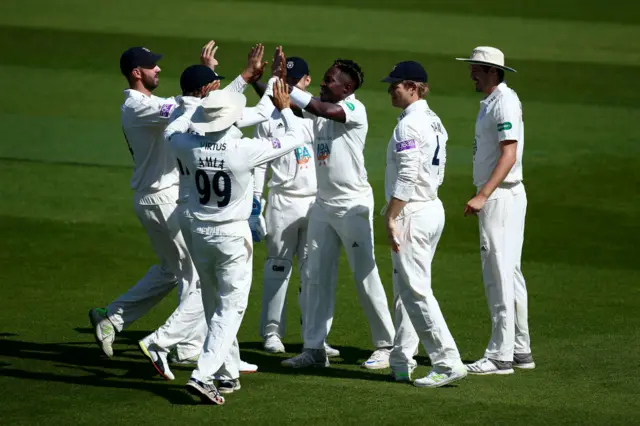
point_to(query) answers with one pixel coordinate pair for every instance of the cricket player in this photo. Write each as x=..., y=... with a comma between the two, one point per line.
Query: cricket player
x=292, y=192
x=187, y=323
x=155, y=185
x=342, y=214
x=500, y=204
x=220, y=200
x=416, y=159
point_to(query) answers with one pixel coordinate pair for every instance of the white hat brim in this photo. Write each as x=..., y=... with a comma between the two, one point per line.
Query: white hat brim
x=491, y=64
x=234, y=111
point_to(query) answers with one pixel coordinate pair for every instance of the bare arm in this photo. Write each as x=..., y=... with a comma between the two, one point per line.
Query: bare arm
x=318, y=108
x=508, y=152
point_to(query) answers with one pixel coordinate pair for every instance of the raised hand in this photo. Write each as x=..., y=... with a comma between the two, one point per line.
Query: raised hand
x=207, y=56
x=279, y=64
x=255, y=66
x=281, y=98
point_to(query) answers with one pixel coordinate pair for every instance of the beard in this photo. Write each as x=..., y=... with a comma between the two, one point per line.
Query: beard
x=150, y=83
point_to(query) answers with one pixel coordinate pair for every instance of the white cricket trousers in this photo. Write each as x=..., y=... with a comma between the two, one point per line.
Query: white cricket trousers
x=157, y=214
x=186, y=327
x=223, y=254
x=326, y=232
x=417, y=312
x=287, y=218
x=501, y=224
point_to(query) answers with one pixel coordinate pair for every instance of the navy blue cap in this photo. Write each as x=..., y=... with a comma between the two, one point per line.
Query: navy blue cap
x=197, y=76
x=297, y=67
x=137, y=57
x=406, y=70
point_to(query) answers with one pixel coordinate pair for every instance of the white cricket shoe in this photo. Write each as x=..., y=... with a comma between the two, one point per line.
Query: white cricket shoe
x=435, y=379
x=247, y=368
x=331, y=351
x=378, y=360
x=485, y=366
x=524, y=361
x=273, y=344
x=402, y=374
x=104, y=332
x=159, y=361
x=308, y=358
x=229, y=386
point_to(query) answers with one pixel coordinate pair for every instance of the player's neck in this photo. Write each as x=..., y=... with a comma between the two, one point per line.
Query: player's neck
x=491, y=89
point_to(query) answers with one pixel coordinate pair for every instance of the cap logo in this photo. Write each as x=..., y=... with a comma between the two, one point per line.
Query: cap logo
x=146, y=50
x=289, y=64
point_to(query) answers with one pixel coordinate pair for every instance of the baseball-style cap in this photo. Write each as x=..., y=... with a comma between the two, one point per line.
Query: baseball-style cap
x=137, y=57
x=197, y=76
x=297, y=67
x=406, y=70
x=487, y=55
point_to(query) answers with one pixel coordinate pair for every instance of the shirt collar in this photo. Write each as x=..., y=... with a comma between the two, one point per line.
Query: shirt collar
x=494, y=94
x=133, y=93
x=418, y=105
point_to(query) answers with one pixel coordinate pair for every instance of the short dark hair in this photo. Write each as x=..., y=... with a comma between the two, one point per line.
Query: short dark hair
x=352, y=69
x=499, y=71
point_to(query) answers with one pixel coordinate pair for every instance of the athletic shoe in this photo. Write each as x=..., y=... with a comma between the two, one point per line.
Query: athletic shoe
x=486, y=366
x=435, y=379
x=103, y=330
x=273, y=344
x=208, y=393
x=246, y=368
x=229, y=386
x=331, y=352
x=159, y=361
x=174, y=359
x=402, y=374
x=378, y=360
x=308, y=358
x=524, y=361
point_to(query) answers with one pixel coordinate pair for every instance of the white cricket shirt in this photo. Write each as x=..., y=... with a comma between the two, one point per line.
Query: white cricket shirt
x=221, y=166
x=416, y=155
x=499, y=119
x=293, y=174
x=144, y=119
x=338, y=147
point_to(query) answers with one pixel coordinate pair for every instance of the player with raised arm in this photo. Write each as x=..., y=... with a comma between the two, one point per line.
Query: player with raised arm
x=220, y=201
x=500, y=204
x=416, y=158
x=341, y=215
x=292, y=192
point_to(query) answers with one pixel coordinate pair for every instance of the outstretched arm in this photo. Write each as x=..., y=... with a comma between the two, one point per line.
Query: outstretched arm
x=318, y=108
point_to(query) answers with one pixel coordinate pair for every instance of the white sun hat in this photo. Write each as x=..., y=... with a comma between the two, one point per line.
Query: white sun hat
x=485, y=55
x=220, y=110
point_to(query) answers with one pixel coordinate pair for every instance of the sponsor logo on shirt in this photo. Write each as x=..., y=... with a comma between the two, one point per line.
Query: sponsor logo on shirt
x=323, y=153
x=350, y=105
x=165, y=110
x=405, y=145
x=275, y=143
x=504, y=126
x=302, y=157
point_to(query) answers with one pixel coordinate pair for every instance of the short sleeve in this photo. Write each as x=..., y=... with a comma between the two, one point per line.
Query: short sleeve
x=508, y=118
x=356, y=114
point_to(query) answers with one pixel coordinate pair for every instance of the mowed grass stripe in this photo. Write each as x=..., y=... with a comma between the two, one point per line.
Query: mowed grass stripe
x=548, y=81
x=445, y=34
x=568, y=10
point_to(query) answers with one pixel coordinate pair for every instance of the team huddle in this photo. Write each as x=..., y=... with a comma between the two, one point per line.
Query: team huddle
x=198, y=192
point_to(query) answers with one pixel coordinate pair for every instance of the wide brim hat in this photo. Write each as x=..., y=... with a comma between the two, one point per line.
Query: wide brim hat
x=220, y=110
x=485, y=55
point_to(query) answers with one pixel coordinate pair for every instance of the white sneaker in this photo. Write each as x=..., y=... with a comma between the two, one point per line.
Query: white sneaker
x=247, y=368
x=174, y=359
x=308, y=358
x=378, y=360
x=159, y=361
x=104, y=332
x=331, y=352
x=402, y=374
x=486, y=366
x=273, y=344
x=435, y=380
x=524, y=361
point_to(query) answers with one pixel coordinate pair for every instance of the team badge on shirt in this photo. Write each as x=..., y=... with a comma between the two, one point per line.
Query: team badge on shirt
x=323, y=153
x=405, y=145
x=275, y=143
x=165, y=110
x=302, y=157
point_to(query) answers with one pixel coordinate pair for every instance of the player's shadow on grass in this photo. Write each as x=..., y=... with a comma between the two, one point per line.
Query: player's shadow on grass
x=139, y=375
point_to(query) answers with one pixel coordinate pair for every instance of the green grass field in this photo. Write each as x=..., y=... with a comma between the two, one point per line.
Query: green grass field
x=70, y=239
